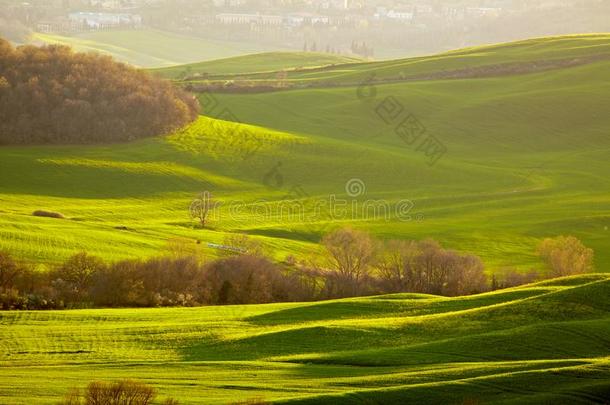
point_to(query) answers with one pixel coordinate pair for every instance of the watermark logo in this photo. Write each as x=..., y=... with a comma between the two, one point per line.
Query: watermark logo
x=355, y=188
x=273, y=178
x=317, y=214
x=366, y=90
x=406, y=125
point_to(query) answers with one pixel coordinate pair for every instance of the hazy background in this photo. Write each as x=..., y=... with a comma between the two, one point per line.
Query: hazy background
x=166, y=32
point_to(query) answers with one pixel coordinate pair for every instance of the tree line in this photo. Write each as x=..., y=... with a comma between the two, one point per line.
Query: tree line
x=354, y=264
x=52, y=95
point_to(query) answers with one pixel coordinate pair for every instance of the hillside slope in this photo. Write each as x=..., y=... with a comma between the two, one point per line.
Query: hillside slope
x=256, y=63
x=527, y=56
x=546, y=342
x=525, y=158
x=524, y=153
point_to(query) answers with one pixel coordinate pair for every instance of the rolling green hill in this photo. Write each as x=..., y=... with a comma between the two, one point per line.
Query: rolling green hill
x=539, y=54
x=261, y=63
x=542, y=343
x=150, y=48
x=526, y=158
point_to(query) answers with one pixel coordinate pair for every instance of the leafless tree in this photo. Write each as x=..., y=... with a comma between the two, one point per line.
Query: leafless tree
x=122, y=392
x=396, y=265
x=202, y=206
x=350, y=254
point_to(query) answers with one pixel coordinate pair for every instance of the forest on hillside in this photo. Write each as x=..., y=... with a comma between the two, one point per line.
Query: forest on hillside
x=52, y=95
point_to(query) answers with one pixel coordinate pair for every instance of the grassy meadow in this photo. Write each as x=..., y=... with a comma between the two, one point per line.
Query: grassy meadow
x=259, y=63
x=148, y=47
x=535, y=54
x=541, y=343
x=526, y=158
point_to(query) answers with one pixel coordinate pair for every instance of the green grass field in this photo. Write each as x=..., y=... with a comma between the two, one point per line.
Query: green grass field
x=542, y=343
x=150, y=48
x=533, y=52
x=526, y=159
x=261, y=63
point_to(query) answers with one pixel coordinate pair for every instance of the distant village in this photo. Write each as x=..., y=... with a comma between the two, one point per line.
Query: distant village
x=111, y=14
x=334, y=25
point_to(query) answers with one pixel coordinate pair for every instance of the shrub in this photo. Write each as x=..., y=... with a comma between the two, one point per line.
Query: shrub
x=509, y=277
x=48, y=214
x=51, y=95
x=122, y=392
x=8, y=271
x=566, y=255
x=11, y=300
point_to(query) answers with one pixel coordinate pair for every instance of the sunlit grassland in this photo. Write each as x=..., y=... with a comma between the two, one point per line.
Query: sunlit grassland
x=526, y=159
x=525, y=156
x=146, y=187
x=545, y=341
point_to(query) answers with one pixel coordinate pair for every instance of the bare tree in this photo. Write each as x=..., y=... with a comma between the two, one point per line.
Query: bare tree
x=425, y=267
x=350, y=254
x=396, y=265
x=202, y=206
x=122, y=392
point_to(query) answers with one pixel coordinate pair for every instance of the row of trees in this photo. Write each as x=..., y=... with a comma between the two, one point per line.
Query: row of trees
x=362, y=265
x=355, y=264
x=87, y=281
x=53, y=95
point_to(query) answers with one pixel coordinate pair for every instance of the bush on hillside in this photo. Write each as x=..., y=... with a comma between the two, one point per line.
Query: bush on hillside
x=9, y=271
x=122, y=392
x=510, y=277
x=48, y=214
x=566, y=255
x=52, y=95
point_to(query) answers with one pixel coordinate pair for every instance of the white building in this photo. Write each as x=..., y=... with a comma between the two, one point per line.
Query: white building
x=261, y=19
x=105, y=20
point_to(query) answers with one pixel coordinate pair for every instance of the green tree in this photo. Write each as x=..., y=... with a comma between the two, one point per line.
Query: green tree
x=78, y=272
